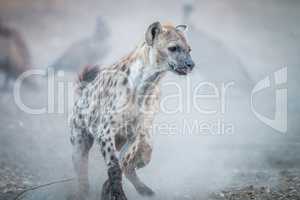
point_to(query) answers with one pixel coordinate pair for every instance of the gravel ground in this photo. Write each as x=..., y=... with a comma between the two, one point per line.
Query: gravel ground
x=284, y=185
x=287, y=188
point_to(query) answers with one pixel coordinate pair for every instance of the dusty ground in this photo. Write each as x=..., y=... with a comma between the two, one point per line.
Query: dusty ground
x=276, y=184
x=287, y=187
x=255, y=162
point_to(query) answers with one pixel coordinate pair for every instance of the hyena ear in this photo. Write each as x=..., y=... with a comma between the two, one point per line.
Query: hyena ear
x=152, y=32
x=181, y=27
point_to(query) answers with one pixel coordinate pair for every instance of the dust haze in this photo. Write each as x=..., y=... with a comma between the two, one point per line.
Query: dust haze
x=196, y=155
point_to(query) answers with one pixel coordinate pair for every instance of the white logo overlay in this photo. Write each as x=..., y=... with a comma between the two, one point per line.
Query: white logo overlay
x=279, y=122
x=58, y=102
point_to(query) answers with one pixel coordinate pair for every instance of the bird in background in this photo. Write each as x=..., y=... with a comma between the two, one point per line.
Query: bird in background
x=14, y=54
x=87, y=51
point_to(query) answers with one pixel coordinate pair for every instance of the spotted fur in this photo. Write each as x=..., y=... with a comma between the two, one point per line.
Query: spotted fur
x=116, y=108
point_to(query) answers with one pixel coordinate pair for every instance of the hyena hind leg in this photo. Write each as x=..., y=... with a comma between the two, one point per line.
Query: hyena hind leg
x=82, y=142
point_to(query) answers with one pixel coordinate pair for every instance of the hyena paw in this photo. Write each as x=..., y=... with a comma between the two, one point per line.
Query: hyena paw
x=145, y=191
x=81, y=196
x=117, y=192
x=106, y=191
x=110, y=192
x=112, y=188
x=83, y=192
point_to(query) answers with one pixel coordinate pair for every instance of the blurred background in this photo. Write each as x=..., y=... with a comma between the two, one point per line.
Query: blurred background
x=232, y=41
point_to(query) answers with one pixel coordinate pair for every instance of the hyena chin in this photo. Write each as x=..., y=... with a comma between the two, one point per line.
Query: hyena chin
x=116, y=107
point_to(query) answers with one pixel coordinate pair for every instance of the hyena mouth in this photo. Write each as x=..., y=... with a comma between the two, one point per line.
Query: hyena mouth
x=180, y=70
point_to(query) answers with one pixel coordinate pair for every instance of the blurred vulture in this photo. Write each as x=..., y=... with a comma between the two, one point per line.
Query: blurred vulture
x=14, y=54
x=86, y=51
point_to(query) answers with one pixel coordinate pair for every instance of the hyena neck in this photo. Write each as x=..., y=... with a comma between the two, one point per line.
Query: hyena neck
x=145, y=71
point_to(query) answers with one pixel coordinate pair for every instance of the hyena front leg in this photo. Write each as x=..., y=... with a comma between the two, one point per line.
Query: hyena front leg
x=140, y=187
x=136, y=154
x=112, y=188
x=82, y=142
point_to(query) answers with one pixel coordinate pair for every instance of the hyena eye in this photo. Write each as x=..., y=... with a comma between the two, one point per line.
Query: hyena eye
x=174, y=48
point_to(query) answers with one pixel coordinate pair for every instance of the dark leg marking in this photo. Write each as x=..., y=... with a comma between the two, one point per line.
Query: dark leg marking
x=112, y=188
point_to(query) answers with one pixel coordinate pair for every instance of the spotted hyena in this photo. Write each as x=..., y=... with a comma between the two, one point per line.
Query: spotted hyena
x=116, y=108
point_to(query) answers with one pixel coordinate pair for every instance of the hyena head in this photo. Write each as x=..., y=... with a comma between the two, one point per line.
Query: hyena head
x=169, y=48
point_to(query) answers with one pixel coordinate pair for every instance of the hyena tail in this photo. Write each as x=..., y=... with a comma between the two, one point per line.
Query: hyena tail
x=87, y=75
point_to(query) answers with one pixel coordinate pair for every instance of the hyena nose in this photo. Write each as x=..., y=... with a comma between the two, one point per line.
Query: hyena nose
x=190, y=64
